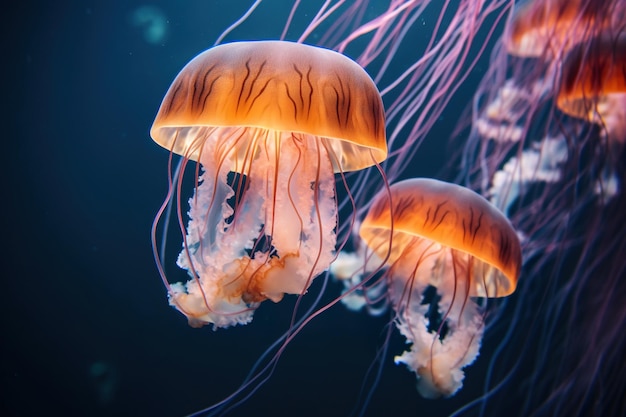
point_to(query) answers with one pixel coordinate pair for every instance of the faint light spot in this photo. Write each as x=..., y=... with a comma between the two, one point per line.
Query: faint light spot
x=152, y=23
x=104, y=377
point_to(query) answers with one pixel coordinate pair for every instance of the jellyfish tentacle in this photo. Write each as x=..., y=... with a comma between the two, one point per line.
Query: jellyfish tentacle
x=250, y=258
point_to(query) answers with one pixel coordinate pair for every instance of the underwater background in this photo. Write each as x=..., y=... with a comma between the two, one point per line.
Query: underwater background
x=86, y=326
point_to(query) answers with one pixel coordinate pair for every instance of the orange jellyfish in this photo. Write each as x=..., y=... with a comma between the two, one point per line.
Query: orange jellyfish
x=593, y=84
x=436, y=234
x=550, y=27
x=269, y=123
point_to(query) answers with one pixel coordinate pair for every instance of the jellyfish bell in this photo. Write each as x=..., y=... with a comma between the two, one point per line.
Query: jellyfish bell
x=448, y=215
x=436, y=234
x=270, y=122
x=593, y=84
x=550, y=27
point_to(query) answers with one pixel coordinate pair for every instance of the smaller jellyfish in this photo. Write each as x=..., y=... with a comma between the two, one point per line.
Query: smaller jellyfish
x=436, y=235
x=270, y=122
x=593, y=84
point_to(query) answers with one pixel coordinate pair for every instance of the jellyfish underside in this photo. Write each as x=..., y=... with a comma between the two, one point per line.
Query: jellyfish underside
x=435, y=356
x=234, y=241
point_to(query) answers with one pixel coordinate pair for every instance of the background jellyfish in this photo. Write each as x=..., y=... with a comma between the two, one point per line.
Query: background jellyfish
x=269, y=122
x=435, y=235
x=551, y=27
x=546, y=146
x=593, y=85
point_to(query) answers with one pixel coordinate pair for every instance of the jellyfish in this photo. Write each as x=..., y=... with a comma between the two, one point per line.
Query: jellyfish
x=542, y=162
x=593, y=88
x=433, y=234
x=593, y=84
x=545, y=52
x=269, y=123
x=550, y=27
x=558, y=179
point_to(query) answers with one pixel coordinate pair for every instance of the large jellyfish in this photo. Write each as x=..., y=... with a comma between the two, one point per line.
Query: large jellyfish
x=270, y=123
x=433, y=234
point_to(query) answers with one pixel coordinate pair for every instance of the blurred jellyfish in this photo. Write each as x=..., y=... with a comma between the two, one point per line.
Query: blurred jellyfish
x=152, y=22
x=541, y=163
x=513, y=105
x=504, y=116
x=593, y=88
x=546, y=51
x=270, y=122
x=549, y=27
x=559, y=181
x=432, y=234
x=593, y=84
